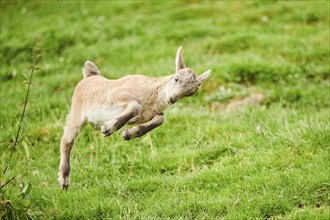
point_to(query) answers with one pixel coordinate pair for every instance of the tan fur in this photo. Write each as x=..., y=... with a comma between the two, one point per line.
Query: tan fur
x=133, y=99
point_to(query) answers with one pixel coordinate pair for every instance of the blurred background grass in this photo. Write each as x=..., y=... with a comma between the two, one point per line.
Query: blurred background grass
x=253, y=143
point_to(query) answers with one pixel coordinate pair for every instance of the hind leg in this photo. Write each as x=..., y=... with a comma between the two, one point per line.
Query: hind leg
x=71, y=130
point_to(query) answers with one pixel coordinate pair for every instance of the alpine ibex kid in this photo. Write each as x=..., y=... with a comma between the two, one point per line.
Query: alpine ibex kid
x=132, y=99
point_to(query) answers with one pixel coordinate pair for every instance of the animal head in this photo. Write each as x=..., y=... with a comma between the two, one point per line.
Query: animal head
x=185, y=81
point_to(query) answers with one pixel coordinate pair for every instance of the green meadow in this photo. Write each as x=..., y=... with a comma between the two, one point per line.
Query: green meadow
x=253, y=143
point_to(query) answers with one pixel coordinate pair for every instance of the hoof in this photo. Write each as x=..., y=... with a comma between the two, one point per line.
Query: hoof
x=64, y=181
x=108, y=129
x=106, y=133
x=126, y=135
x=65, y=187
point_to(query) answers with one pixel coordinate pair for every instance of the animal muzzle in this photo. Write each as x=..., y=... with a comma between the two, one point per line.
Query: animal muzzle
x=172, y=101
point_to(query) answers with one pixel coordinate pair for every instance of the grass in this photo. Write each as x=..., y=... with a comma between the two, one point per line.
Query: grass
x=264, y=161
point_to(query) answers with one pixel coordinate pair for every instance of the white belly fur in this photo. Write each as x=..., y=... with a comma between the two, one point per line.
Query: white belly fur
x=97, y=117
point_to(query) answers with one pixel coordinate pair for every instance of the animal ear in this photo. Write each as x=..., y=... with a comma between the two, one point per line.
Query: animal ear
x=179, y=63
x=205, y=75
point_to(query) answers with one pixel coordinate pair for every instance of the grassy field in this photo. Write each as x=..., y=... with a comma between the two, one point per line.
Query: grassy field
x=252, y=144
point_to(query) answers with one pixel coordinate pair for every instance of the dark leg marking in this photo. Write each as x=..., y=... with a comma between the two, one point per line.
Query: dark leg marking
x=115, y=124
x=141, y=130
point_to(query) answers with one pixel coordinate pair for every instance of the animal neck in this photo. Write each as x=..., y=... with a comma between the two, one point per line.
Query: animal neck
x=161, y=90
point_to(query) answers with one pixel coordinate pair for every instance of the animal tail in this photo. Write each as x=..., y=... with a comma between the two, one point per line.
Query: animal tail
x=90, y=69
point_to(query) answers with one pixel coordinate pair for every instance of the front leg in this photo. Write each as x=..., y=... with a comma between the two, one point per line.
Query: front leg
x=132, y=110
x=138, y=131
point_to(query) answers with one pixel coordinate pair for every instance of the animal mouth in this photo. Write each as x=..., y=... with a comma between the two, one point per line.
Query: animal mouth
x=190, y=94
x=171, y=101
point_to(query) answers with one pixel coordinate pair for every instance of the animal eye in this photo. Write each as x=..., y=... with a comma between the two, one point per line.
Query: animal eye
x=189, y=71
x=176, y=79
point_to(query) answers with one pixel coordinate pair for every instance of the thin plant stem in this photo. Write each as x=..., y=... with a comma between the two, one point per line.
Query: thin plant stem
x=35, y=59
x=7, y=182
